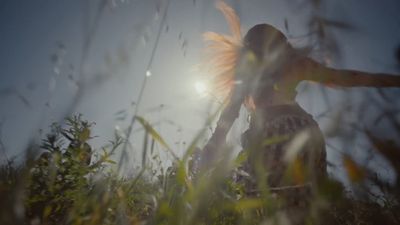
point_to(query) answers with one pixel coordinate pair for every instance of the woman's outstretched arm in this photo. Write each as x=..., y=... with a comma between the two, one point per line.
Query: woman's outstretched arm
x=308, y=69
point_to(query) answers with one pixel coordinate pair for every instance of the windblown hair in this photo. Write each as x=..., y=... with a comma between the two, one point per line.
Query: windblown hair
x=222, y=52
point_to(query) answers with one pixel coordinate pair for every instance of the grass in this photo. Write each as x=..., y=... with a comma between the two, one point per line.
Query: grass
x=60, y=186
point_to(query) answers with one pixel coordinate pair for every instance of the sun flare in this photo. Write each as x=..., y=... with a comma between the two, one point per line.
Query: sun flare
x=201, y=88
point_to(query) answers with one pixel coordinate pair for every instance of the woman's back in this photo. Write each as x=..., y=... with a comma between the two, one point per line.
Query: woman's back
x=277, y=122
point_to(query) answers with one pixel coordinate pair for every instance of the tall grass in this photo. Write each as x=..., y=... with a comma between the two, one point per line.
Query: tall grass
x=65, y=180
x=60, y=186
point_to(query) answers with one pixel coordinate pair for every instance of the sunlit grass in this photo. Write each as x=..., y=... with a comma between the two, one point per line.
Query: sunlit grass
x=59, y=187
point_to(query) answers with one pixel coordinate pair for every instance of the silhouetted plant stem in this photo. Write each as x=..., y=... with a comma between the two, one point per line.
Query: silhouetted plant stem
x=143, y=86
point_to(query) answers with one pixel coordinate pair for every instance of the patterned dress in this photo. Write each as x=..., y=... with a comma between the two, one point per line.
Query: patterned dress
x=285, y=136
x=286, y=150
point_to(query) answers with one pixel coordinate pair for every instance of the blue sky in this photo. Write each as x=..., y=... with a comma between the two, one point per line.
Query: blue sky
x=41, y=46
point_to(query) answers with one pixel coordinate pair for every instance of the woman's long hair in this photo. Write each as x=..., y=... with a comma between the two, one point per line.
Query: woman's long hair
x=222, y=53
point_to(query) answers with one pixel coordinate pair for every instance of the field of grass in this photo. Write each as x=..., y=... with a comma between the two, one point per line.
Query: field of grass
x=65, y=181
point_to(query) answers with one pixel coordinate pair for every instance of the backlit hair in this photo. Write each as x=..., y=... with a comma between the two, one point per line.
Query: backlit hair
x=222, y=52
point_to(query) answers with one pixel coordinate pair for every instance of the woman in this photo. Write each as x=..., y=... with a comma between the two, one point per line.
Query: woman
x=284, y=144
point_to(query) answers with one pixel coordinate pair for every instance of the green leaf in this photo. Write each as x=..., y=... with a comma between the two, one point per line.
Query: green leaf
x=84, y=135
x=154, y=134
x=110, y=161
x=249, y=203
x=275, y=140
x=241, y=158
x=181, y=175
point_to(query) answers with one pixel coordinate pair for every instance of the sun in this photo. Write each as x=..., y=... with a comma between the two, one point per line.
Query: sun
x=201, y=88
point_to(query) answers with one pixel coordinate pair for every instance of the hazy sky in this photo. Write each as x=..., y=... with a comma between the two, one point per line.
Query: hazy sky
x=42, y=42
